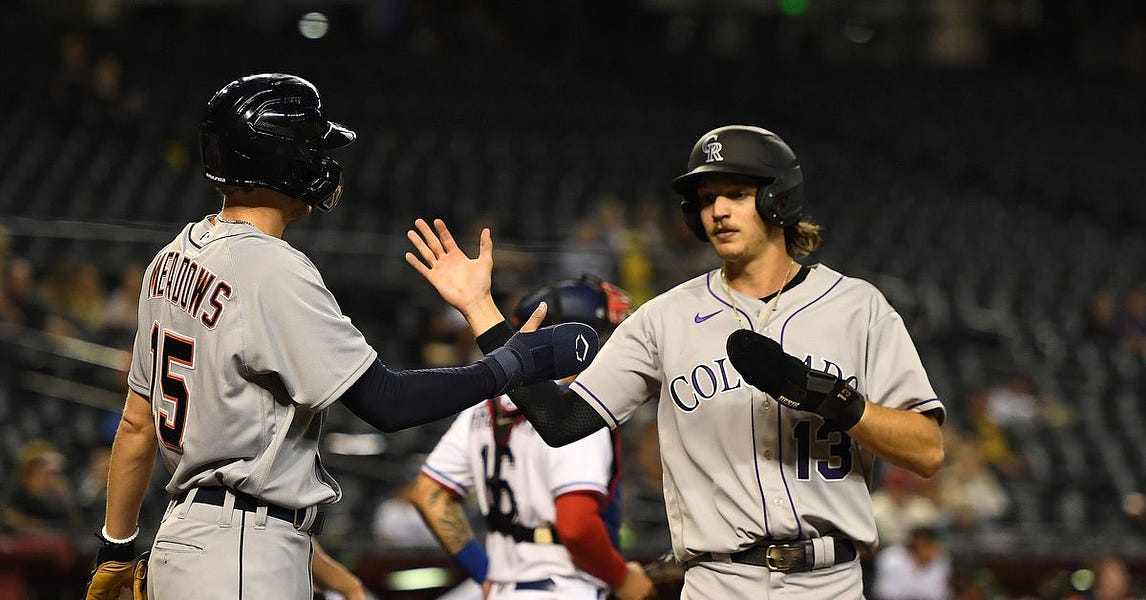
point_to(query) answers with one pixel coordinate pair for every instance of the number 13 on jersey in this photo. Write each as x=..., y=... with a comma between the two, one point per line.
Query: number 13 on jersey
x=168, y=348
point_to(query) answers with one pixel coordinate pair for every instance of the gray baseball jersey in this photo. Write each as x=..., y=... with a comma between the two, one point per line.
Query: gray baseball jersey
x=240, y=348
x=738, y=467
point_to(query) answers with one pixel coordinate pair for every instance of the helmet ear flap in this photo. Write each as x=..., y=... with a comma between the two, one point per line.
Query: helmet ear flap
x=770, y=206
x=781, y=202
x=690, y=208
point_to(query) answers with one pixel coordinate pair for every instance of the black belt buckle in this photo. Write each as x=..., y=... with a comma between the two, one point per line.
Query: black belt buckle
x=786, y=558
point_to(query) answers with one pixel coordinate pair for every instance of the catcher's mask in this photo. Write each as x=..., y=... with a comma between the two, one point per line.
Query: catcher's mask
x=587, y=299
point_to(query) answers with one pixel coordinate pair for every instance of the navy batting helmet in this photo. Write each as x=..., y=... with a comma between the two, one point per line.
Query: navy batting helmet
x=752, y=152
x=269, y=131
x=587, y=299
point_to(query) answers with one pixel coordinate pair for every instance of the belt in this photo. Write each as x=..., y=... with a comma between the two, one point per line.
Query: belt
x=544, y=585
x=785, y=556
x=546, y=534
x=217, y=496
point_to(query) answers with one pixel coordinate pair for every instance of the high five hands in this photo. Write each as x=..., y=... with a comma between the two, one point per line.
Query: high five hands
x=553, y=352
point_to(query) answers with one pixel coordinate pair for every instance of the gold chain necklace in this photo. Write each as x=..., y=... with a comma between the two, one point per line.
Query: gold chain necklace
x=759, y=316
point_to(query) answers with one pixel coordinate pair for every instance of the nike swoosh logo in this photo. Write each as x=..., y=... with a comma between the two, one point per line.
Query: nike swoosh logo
x=700, y=319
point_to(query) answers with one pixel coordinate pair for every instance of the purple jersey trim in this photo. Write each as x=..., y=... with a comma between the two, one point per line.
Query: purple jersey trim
x=441, y=478
x=937, y=408
x=598, y=401
x=818, y=298
x=756, y=465
x=920, y=403
x=780, y=465
x=708, y=284
x=779, y=415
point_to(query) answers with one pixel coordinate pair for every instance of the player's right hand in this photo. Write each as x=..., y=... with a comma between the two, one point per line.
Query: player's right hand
x=636, y=586
x=114, y=570
x=462, y=281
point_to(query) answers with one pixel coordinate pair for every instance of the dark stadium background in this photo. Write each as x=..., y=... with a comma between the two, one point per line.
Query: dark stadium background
x=981, y=161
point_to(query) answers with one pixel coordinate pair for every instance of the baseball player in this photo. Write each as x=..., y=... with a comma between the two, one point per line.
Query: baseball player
x=778, y=384
x=552, y=513
x=240, y=350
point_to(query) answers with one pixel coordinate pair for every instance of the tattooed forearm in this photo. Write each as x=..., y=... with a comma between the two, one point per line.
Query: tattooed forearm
x=442, y=512
x=448, y=521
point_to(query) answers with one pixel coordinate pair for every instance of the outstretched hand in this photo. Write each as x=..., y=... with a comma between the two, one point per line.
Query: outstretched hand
x=462, y=281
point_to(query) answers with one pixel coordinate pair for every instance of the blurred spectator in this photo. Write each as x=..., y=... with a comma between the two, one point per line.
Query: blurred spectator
x=123, y=304
x=42, y=501
x=1014, y=405
x=1112, y=581
x=110, y=92
x=70, y=90
x=613, y=220
x=587, y=251
x=91, y=495
x=917, y=570
x=992, y=440
x=1132, y=323
x=397, y=523
x=968, y=490
x=899, y=506
x=28, y=309
x=77, y=299
x=635, y=268
x=1100, y=316
x=446, y=340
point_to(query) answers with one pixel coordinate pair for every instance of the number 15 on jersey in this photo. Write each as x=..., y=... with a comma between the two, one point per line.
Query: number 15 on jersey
x=169, y=348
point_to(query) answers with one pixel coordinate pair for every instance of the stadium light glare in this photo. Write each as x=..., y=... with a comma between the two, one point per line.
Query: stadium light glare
x=793, y=8
x=313, y=25
x=418, y=579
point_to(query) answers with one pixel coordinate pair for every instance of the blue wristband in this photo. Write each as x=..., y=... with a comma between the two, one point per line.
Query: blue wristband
x=474, y=560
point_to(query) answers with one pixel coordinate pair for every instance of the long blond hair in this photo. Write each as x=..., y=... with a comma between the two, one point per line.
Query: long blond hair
x=802, y=238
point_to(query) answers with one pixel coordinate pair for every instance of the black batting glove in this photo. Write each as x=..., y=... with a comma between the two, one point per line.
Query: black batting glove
x=113, y=571
x=111, y=551
x=766, y=367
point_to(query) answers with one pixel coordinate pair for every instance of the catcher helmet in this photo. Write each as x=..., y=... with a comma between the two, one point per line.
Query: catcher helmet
x=749, y=151
x=587, y=299
x=268, y=131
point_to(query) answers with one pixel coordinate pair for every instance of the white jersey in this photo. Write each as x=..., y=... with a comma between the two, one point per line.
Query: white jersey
x=536, y=474
x=738, y=467
x=240, y=347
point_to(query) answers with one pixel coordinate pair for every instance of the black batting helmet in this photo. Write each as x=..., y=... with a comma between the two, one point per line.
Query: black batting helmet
x=752, y=152
x=269, y=131
x=587, y=299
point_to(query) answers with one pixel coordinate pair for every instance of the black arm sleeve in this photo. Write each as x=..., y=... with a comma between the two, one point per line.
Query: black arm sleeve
x=391, y=400
x=559, y=415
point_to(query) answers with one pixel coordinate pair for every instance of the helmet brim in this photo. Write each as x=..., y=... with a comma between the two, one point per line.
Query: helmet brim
x=687, y=183
x=338, y=136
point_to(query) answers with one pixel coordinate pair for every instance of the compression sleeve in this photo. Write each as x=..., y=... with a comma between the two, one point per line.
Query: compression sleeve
x=583, y=534
x=559, y=415
x=391, y=400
